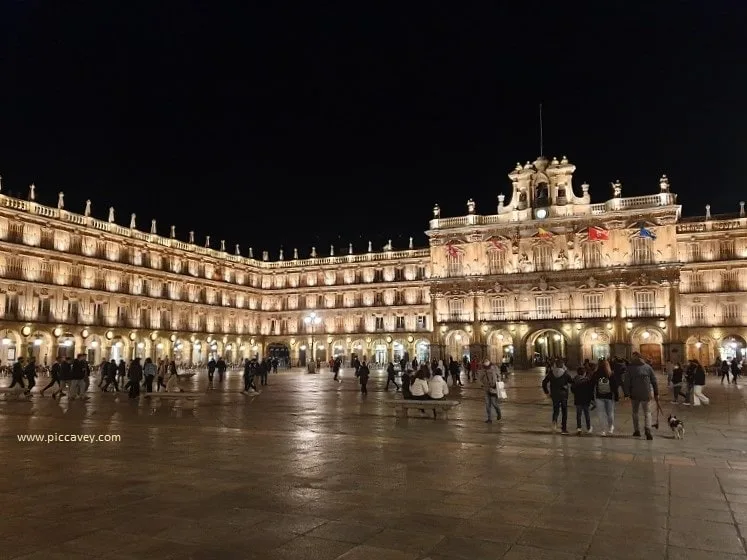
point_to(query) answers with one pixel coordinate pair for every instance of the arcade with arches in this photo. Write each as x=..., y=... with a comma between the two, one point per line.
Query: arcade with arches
x=500, y=346
x=457, y=344
x=546, y=344
x=648, y=341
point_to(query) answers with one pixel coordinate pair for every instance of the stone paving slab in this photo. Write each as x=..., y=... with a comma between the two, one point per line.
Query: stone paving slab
x=310, y=469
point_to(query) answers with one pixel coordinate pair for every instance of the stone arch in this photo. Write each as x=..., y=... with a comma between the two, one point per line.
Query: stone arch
x=457, y=344
x=648, y=341
x=422, y=349
x=10, y=346
x=702, y=348
x=119, y=348
x=545, y=344
x=94, y=347
x=379, y=352
x=41, y=345
x=400, y=349
x=595, y=344
x=500, y=346
x=733, y=346
x=340, y=348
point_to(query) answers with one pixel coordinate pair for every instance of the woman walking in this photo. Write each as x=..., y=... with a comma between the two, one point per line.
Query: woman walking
x=605, y=394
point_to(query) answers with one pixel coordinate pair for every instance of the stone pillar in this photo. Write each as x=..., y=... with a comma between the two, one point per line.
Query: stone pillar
x=621, y=350
x=438, y=351
x=573, y=354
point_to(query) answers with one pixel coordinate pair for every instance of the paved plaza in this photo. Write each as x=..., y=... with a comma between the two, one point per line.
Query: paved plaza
x=309, y=469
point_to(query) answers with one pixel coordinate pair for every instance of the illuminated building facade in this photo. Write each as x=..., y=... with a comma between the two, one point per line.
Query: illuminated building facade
x=549, y=274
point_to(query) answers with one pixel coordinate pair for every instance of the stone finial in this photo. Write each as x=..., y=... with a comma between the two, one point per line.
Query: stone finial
x=238, y=252
x=32, y=191
x=223, y=245
x=192, y=237
x=61, y=200
x=265, y=256
x=251, y=253
x=617, y=189
x=332, y=250
x=388, y=246
x=132, y=219
x=554, y=161
x=410, y=245
x=207, y=241
x=153, y=227
x=350, y=248
x=708, y=211
x=501, y=200
x=369, y=247
x=295, y=253
x=585, y=188
x=741, y=209
x=313, y=252
x=111, y=214
x=281, y=254
x=518, y=166
x=470, y=206
x=87, y=211
x=664, y=184
x=172, y=233
x=436, y=211
x=564, y=161
x=528, y=165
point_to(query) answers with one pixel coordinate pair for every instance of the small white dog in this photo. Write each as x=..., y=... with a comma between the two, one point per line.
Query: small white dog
x=678, y=427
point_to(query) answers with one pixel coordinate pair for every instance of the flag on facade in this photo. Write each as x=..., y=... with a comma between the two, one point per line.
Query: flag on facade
x=497, y=244
x=453, y=250
x=544, y=233
x=647, y=233
x=598, y=234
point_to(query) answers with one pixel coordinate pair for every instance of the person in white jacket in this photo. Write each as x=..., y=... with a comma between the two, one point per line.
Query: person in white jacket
x=437, y=388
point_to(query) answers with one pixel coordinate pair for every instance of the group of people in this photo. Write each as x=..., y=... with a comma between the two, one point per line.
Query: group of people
x=164, y=374
x=65, y=373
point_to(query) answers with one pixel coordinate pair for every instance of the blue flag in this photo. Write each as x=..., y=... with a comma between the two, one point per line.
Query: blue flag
x=647, y=233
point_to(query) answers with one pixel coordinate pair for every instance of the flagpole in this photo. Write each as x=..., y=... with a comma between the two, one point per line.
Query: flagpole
x=542, y=139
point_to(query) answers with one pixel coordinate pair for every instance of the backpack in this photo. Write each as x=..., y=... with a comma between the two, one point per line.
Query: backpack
x=603, y=386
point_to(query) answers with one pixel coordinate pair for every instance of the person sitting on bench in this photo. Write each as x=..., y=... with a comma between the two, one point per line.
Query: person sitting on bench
x=419, y=388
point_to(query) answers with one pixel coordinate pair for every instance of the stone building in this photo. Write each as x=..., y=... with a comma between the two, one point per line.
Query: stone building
x=548, y=274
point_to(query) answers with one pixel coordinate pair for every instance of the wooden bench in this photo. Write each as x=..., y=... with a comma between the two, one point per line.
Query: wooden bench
x=401, y=406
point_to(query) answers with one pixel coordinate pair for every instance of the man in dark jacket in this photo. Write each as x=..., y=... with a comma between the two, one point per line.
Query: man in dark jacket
x=638, y=382
x=555, y=384
x=211, y=365
x=583, y=394
x=55, y=373
x=221, y=366
x=77, y=378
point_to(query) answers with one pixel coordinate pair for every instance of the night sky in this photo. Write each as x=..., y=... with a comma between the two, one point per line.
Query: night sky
x=321, y=122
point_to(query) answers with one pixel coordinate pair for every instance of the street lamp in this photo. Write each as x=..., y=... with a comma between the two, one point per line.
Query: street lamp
x=312, y=319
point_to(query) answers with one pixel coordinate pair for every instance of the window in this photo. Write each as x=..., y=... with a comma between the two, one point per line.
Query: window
x=379, y=323
x=693, y=252
x=421, y=273
x=645, y=304
x=454, y=263
x=542, y=257
x=121, y=315
x=273, y=326
x=399, y=298
x=98, y=313
x=697, y=313
x=498, y=307
x=727, y=249
x=72, y=313
x=11, y=305
x=593, y=302
x=592, y=255
x=421, y=322
x=496, y=261
x=731, y=312
x=43, y=309
x=165, y=319
x=456, y=310
x=400, y=323
x=643, y=250
x=144, y=317
x=399, y=274
x=696, y=282
x=379, y=276
x=544, y=306
x=339, y=324
x=729, y=280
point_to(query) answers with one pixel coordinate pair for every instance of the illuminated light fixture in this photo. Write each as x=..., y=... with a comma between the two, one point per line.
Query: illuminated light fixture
x=37, y=342
x=141, y=345
x=303, y=347
x=133, y=336
x=458, y=337
x=68, y=343
x=57, y=332
x=646, y=334
x=389, y=339
x=594, y=336
x=94, y=344
x=348, y=340
x=119, y=344
x=25, y=331
x=368, y=339
x=173, y=338
x=5, y=341
x=663, y=325
x=329, y=340
x=109, y=335
x=557, y=336
x=192, y=338
x=293, y=341
x=359, y=346
x=209, y=339
x=698, y=344
x=84, y=333
x=214, y=347
x=153, y=336
x=254, y=347
x=500, y=337
x=228, y=346
x=541, y=213
x=609, y=326
x=196, y=345
x=410, y=339
x=444, y=328
x=734, y=345
x=629, y=325
x=225, y=339
x=159, y=346
x=251, y=342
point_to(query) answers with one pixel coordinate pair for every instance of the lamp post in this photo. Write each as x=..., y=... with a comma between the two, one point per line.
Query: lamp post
x=312, y=319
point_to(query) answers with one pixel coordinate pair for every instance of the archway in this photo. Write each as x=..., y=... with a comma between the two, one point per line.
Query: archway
x=181, y=351
x=702, y=348
x=41, y=346
x=733, y=347
x=214, y=349
x=339, y=349
x=279, y=351
x=10, y=345
x=423, y=350
x=357, y=349
x=66, y=345
x=647, y=341
x=595, y=344
x=118, y=349
x=93, y=347
x=545, y=345
x=500, y=346
x=457, y=345
x=399, y=351
x=380, y=353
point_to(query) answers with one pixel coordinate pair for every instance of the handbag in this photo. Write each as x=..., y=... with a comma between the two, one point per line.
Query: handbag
x=501, y=386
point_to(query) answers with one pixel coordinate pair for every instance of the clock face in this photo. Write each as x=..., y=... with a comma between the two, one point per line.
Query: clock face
x=541, y=213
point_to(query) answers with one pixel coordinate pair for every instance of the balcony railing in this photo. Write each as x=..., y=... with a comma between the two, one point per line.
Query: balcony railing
x=715, y=321
x=641, y=312
x=460, y=317
x=537, y=315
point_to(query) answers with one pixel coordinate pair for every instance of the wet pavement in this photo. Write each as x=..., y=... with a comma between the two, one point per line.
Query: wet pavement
x=309, y=469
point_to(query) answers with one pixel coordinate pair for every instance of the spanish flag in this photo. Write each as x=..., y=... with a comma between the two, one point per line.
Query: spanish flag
x=598, y=234
x=543, y=233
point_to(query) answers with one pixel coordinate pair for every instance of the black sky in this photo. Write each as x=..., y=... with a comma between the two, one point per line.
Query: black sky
x=306, y=123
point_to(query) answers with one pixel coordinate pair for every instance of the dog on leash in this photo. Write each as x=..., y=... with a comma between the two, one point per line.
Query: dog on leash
x=677, y=426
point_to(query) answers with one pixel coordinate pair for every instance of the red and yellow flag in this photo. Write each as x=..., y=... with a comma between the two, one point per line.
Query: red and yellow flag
x=544, y=233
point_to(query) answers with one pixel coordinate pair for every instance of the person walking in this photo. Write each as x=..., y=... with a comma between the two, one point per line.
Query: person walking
x=639, y=381
x=555, y=385
x=583, y=394
x=149, y=372
x=135, y=373
x=488, y=377
x=391, y=376
x=363, y=373
x=605, y=393
x=55, y=374
x=699, y=381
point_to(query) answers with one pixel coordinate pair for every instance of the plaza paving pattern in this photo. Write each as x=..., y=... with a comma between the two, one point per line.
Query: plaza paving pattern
x=311, y=470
